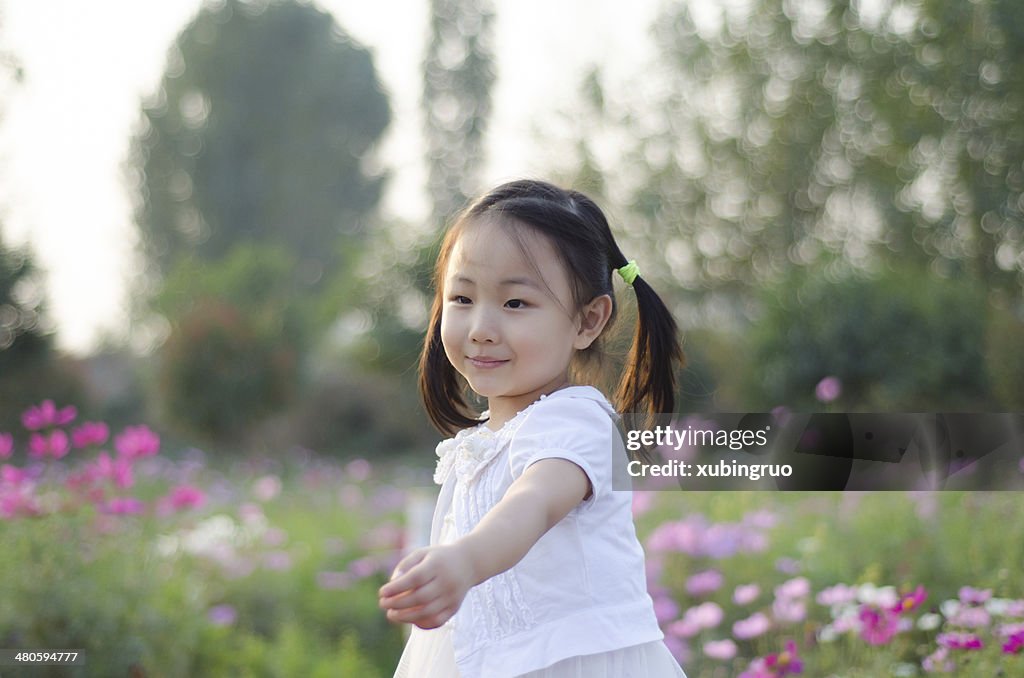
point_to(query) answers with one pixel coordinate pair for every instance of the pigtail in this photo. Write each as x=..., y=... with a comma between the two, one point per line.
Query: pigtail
x=648, y=382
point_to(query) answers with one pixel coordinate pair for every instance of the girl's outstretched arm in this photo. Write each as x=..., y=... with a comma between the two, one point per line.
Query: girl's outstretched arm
x=428, y=586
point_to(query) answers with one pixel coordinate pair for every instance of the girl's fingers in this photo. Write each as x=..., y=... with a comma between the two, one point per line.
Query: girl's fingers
x=404, y=576
x=421, y=596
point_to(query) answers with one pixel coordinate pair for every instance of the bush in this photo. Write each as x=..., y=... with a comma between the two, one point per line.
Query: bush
x=903, y=341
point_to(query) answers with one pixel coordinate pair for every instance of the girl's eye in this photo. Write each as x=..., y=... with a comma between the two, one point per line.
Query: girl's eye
x=459, y=299
x=515, y=303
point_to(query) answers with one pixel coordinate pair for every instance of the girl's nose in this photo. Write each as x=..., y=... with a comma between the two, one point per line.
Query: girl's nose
x=483, y=329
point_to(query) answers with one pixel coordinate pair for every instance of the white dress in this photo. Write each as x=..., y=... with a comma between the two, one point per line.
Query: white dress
x=429, y=653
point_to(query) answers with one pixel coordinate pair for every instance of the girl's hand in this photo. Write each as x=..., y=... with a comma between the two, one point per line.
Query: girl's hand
x=427, y=586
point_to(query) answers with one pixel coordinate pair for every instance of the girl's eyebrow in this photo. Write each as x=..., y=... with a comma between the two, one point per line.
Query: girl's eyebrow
x=526, y=282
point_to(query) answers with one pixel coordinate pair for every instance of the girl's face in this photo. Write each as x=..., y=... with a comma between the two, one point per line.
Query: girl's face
x=508, y=323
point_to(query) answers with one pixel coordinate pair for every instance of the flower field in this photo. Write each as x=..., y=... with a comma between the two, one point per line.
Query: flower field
x=158, y=562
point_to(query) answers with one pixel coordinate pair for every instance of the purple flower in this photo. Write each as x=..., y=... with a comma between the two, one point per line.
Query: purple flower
x=47, y=414
x=785, y=662
x=787, y=566
x=828, y=389
x=665, y=608
x=704, y=582
x=789, y=610
x=911, y=601
x=222, y=615
x=798, y=587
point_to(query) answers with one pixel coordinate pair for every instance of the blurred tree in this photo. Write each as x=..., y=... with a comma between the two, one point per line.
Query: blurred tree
x=789, y=134
x=261, y=131
x=458, y=72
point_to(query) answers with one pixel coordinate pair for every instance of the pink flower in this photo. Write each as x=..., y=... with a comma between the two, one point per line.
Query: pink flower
x=47, y=414
x=124, y=506
x=704, y=582
x=358, y=469
x=878, y=625
x=720, y=649
x=267, y=487
x=910, y=601
x=642, y=502
x=785, y=662
x=90, y=433
x=960, y=641
x=938, y=662
x=789, y=610
x=758, y=669
x=746, y=594
x=185, y=496
x=55, y=445
x=137, y=441
x=11, y=475
x=751, y=627
x=969, y=595
x=665, y=608
x=971, y=616
x=6, y=445
x=840, y=594
x=794, y=588
x=828, y=389
x=118, y=471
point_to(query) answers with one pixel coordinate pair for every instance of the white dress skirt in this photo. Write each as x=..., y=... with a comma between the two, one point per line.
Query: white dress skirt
x=430, y=654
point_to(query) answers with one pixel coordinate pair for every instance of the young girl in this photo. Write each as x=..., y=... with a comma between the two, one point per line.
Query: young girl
x=534, y=568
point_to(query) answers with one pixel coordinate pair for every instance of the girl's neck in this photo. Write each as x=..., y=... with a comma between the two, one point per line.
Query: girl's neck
x=502, y=410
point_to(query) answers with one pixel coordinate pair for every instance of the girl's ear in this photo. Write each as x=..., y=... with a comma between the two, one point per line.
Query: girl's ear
x=593, y=317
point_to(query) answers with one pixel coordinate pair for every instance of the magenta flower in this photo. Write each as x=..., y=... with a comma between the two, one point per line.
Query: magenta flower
x=751, y=627
x=723, y=650
x=137, y=441
x=47, y=414
x=828, y=389
x=90, y=433
x=55, y=445
x=786, y=662
x=185, y=496
x=960, y=641
x=6, y=445
x=124, y=506
x=12, y=475
x=878, y=625
x=909, y=602
x=704, y=582
x=119, y=471
x=1014, y=643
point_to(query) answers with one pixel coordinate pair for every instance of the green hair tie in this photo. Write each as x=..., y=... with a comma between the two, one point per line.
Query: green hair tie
x=629, y=272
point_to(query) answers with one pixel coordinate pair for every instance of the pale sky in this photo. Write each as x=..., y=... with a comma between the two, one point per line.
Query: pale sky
x=88, y=64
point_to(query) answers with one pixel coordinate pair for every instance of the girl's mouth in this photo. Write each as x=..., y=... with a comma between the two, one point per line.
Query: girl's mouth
x=486, y=363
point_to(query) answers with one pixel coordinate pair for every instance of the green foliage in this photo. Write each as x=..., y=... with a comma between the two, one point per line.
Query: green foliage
x=902, y=341
x=221, y=372
x=70, y=584
x=458, y=73
x=1005, y=359
x=260, y=131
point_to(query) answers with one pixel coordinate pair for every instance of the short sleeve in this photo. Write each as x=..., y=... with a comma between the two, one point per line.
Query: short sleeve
x=576, y=429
